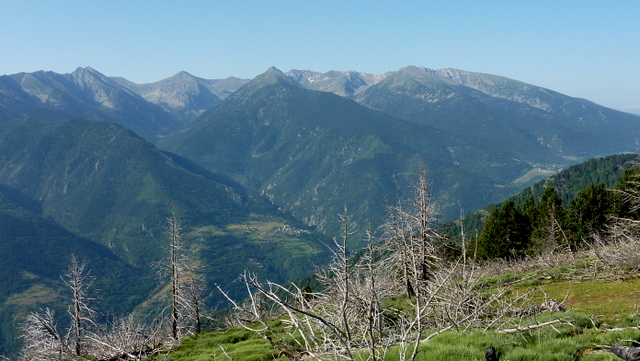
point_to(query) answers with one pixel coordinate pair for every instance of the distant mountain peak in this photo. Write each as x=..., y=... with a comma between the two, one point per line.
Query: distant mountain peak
x=272, y=76
x=344, y=83
x=419, y=74
x=274, y=70
x=183, y=75
x=86, y=70
x=88, y=76
x=412, y=69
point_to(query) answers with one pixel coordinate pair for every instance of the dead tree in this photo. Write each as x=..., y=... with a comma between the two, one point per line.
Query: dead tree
x=342, y=273
x=127, y=338
x=187, y=284
x=192, y=289
x=410, y=233
x=423, y=218
x=397, y=238
x=82, y=315
x=41, y=338
x=176, y=270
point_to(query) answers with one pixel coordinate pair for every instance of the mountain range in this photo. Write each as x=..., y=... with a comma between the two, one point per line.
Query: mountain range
x=314, y=152
x=313, y=142
x=183, y=95
x=257, y=169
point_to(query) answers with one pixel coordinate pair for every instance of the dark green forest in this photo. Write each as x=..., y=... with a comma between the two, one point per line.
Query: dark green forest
x=563, y=212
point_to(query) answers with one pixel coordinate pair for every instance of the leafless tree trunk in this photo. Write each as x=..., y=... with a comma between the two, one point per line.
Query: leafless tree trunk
x=423, y=217
x=192, y=289
x=187, y=284
x=343, y=260
x=175, y=268
x=372, y=299
x=79, y=281
x=397, y=235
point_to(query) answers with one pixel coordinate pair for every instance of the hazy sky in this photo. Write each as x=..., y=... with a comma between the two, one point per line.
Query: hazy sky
x=582, y=48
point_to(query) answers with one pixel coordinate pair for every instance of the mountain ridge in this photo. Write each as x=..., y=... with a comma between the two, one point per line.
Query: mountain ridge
x=300, y=146
x=84, y=93
x=184, y=95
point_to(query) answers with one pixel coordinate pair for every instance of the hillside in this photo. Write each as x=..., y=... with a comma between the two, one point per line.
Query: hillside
x=35, y=252
x=554, y=305
x=104, y=186
x=313, y=152
x=597, y=313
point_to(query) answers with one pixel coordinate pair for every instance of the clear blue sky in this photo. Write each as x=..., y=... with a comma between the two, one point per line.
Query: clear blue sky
x=583, y=48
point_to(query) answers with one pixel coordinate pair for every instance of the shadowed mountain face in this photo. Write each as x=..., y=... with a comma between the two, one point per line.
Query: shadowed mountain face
x=36, y=251
x=106, y=184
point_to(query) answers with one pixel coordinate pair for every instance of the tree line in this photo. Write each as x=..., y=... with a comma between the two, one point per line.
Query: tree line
x=516, y=229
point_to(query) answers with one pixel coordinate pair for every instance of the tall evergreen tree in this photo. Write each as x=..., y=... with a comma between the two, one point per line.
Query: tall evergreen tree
x=507, y=233
x=548, y=221
x=588, y=212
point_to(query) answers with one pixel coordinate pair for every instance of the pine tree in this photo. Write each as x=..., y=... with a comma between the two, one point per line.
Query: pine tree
x=507, y=233
x=549, y=220
x=588, y=212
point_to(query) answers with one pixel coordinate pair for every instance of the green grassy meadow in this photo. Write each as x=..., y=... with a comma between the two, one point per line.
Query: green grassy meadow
x=602, y=308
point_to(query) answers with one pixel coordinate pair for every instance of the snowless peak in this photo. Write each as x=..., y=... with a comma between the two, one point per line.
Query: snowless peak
x=273, y=70
x=412, y=69
x=87, y=74
x=183, y=74
x=86, y=69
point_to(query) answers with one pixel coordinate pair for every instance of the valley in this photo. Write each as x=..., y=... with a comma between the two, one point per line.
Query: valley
x=257, y=170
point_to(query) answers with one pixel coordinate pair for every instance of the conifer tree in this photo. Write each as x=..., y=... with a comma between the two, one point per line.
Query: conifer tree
x=588, y=212
x=549, y=220
x=507, y=233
